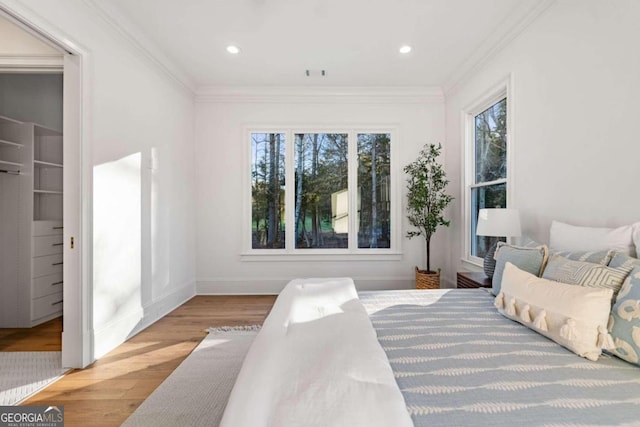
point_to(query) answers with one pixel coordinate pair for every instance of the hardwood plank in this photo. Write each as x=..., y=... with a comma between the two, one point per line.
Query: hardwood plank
x=44, y=337
x=109, y=390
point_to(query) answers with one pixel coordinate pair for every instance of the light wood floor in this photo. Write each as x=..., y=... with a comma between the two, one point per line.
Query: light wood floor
x=107, y=392
x=44, y=337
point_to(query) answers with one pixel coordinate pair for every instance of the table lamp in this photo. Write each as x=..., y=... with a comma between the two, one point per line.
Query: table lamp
x=497, y=223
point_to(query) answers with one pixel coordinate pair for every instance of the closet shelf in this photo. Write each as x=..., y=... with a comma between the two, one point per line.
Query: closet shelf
x=47, y=192
x=12, y=144
x=12, y=121
x=45, y=131
x=41, y=164
x=4, y=162
x=31, y=220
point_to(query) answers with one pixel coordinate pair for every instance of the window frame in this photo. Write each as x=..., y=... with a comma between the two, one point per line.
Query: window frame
x=290, y=252
x=498, y=92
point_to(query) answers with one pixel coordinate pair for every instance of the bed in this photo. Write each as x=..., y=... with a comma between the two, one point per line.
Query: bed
x=456, y=362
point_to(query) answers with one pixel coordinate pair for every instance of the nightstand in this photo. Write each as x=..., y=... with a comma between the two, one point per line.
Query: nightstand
x=473, y=280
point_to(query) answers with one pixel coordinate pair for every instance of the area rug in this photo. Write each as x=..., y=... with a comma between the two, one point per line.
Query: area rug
x=196, y=393
x=24, y=373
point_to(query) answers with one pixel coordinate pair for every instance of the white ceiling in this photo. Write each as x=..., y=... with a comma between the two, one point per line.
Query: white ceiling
x=355, y=41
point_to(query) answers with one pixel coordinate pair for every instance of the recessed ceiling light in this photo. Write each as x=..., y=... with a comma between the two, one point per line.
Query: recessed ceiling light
x=233, y=49
x=405, y=49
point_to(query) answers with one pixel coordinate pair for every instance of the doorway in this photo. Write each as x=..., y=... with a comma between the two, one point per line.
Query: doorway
x=54, y=175
x=31, y=188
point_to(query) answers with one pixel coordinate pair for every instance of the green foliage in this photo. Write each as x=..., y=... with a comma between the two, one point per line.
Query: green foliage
x=426, y=198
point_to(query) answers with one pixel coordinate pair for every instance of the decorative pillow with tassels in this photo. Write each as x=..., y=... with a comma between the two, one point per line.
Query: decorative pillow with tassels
x=624, y=323
x=573, y=316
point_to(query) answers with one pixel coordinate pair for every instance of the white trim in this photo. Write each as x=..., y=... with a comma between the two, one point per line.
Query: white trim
x=163, y=305
x=31, y=63
x=273, y=286
x=498, y=91
x=145, y=48
x=352, y=253
x=489, y=183
x=320, y=255
x=115, y=332
x=44, y=38
x=472, y=264
x=513, y=25
x=126, y=326
x=320, y=95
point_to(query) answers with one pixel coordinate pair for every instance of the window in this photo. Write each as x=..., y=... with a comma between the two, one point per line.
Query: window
x=487, y=164
x=322, y=192
x=374, y=206
x=267, y=190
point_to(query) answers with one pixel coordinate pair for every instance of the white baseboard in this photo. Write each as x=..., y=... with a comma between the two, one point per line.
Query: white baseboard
x=114, y=333
x=165, y=305
x=260, y=286
x=74, y=354
x=127, y=325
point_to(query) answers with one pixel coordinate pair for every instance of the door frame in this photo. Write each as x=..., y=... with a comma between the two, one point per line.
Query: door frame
x=77, y=348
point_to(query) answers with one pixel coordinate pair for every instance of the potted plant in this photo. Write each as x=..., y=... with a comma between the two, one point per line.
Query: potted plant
x=426, y=201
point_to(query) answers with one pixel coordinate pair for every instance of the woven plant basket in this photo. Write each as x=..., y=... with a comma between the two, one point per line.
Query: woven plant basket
x=427, y=280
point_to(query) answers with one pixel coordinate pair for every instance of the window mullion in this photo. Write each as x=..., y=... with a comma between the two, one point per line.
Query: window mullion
x=352, y=179
x=289, y=191
x=489, y=183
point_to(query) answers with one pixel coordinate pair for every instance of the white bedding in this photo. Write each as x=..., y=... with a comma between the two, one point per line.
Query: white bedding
x=316, y=362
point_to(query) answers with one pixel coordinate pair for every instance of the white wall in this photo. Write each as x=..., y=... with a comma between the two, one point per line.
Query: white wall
x=32, y=98
x=28, y=97
x=14, y=41
x=576, y=86
x=144, y=261
x=219, y=200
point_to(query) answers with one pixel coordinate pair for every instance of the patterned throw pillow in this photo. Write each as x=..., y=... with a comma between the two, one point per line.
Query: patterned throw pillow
x=624, y=323
x=587, y=274
x=624, y=262
x=596, y=257
x=531, y=260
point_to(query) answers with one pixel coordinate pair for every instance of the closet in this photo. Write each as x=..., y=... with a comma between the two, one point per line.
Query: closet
x=31, y=260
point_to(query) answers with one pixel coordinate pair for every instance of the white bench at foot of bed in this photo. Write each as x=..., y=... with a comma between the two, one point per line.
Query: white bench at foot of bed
x=316, y=362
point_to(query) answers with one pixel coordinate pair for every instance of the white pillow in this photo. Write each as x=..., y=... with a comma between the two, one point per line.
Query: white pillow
x=566, y=237
x=573, y=316
x=636, y=237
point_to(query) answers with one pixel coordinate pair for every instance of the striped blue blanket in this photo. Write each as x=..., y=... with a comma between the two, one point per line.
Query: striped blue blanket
x=460, y=363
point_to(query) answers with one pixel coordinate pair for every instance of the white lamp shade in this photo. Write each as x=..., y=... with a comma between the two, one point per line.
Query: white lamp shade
x=498, y=223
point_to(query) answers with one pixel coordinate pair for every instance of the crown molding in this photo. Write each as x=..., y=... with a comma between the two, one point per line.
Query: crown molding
x=143, y=44
x=320, y=95
x=511, y=27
